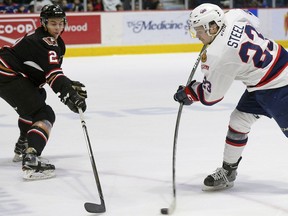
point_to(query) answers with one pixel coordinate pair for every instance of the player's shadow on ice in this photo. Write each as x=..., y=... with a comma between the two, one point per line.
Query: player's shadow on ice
x=250, y=191
x=260, y=186
x=245, y=187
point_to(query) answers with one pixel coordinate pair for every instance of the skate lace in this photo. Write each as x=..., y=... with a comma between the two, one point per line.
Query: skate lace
x=43, y=160
x=36, y=159
x=220, y=173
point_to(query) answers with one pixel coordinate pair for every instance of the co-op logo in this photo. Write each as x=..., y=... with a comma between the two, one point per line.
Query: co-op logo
x=16, y=26
x=141, y=25
x=23, y=26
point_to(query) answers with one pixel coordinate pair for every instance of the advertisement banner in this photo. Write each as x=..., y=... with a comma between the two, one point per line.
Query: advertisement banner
x=81, y=29
x=156, y=28
x=274, y=23
x=12, y=28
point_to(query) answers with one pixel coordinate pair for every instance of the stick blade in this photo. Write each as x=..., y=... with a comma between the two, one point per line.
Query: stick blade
x=170, y=210
x=94, y=208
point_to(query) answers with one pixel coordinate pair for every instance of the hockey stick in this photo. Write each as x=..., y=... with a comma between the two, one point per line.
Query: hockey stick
x=172, y=206
x=92, y=207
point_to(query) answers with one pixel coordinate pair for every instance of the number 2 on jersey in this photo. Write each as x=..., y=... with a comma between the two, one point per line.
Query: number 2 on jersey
x=260, y=58
x=53, y=58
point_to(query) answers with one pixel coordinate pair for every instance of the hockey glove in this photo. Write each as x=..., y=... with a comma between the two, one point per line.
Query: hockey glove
x=71, y=98
x=186, y=95
x=78, y=86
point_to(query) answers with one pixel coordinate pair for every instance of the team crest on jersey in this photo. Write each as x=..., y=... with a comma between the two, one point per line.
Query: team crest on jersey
x=203, y=11
x=205, y=67
x=50, y=41
x=204, y=56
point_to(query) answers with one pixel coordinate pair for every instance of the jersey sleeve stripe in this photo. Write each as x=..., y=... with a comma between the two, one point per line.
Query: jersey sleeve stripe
x=4, y=63
x=280, y=63
x=53, y=72
x=5, y=70
x=54, y=79
x=202, y=99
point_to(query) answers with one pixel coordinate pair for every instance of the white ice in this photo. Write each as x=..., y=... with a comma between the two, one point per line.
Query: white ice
x=131, y=120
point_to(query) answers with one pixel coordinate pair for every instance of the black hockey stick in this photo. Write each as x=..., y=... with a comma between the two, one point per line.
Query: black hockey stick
x=172, y=206
x=92, y=207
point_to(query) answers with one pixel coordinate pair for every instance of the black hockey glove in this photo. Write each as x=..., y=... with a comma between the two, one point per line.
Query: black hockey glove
x=186, y=95
x=71, y=98
x=78, y=86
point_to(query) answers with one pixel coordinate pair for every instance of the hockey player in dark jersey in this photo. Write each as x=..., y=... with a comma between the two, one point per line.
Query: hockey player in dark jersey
x=31, y=62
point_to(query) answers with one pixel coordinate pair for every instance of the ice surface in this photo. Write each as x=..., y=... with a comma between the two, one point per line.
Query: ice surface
x=131, y=119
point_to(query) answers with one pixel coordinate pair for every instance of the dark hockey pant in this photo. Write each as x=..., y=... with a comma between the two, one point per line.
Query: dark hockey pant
x=272, y=103
x=29, y=102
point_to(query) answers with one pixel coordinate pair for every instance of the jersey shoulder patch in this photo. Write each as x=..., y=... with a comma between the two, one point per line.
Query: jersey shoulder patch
x=50, y=41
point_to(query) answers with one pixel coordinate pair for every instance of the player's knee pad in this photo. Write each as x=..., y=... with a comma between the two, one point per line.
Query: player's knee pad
x=234, y=135
x=45, y=126
x=38, y=135
x=241, y=121
x=45, y=113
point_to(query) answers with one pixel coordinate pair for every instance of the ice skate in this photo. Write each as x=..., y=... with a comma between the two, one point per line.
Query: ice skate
x=222, y=178
x=20, y=147
x=33, y=168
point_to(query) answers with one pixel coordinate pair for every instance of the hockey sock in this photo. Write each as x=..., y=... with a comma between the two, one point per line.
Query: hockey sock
x=37, y=139
x=234, y=146
x=24, y=124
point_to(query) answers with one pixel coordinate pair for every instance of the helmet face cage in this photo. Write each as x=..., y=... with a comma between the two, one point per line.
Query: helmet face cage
x=51, y=11
x=203, y=15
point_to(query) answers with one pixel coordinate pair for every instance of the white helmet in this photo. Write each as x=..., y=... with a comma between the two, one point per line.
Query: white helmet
x=204, y=14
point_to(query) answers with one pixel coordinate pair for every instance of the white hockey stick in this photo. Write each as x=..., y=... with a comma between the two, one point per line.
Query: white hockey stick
x=172, y=206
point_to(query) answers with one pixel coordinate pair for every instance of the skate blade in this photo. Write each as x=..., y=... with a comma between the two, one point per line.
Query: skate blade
x=219, y=187
x=17, y=158
x=32, y=175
